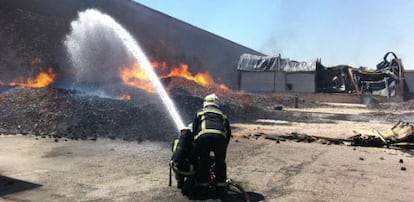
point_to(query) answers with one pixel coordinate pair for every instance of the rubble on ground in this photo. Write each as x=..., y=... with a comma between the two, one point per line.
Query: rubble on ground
x=65, y=113
x=54, y=112
x=400, y=136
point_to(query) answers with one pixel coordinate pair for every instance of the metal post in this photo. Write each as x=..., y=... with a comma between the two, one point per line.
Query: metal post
x=387, y=89
x=296, y=101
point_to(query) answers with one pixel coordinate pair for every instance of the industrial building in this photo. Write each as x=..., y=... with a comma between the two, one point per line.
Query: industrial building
x=169, y=40
x=274, y=74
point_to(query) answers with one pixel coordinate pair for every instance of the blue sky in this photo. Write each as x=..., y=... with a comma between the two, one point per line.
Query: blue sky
x=355, y=32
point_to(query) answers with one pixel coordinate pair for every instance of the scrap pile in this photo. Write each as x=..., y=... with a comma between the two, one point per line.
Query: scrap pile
x=400, y=135
x=64, y=113
x=61, y=113
x=386, y=81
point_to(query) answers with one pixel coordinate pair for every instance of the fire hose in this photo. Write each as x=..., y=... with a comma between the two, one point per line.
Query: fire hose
x=212, y=165
x=231, y=183
x=170, y=180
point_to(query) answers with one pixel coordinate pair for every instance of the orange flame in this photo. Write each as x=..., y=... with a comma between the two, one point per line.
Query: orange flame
x=203, y=79
x=162, y=65
x=125, y=97
x=136, y=77
x=42, y=80
x=224, y=87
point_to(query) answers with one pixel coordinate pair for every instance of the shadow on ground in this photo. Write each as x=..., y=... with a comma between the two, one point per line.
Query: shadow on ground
x=253, y=197
x=10, y=185
x=232, y=196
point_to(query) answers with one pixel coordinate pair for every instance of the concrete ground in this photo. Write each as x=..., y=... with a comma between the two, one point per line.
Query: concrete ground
x=114, y=170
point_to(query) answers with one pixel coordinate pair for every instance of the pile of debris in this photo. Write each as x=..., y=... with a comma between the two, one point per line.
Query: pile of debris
x=57, y=112
x=387, y=81
x=400, y=136
x=235, y=103
x=66, y=113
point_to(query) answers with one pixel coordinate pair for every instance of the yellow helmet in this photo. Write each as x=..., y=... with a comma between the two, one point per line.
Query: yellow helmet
x=211, y=100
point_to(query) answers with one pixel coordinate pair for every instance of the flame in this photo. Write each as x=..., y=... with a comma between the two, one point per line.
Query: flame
x=203, y=79
x=163, y=65
x=125, y=97
x=224, y=87
x=136, y=77
x=43, y=79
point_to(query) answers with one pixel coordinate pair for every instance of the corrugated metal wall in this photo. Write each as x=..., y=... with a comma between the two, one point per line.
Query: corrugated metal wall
x=257, y=81
x=277, y=81
x=280, y=82
x=303, y=82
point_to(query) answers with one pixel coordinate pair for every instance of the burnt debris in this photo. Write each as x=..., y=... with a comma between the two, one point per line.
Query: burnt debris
x=387, y=81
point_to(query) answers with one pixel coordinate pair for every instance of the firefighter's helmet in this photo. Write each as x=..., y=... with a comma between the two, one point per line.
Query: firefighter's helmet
x=211, y=100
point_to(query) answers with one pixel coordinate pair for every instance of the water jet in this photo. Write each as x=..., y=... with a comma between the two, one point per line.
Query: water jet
x=93, y=23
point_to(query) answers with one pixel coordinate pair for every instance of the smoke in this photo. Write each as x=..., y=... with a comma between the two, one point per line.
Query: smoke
x=94, y=49
x=279, y=43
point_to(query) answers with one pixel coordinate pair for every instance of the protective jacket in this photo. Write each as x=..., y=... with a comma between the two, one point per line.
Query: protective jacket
x=212, y=133
x=211, y=120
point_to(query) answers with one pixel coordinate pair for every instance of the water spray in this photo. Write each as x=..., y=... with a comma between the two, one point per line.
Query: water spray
x=133, y=47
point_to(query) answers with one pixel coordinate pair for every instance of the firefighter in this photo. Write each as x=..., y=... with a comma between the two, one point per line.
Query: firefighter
x=212, y=133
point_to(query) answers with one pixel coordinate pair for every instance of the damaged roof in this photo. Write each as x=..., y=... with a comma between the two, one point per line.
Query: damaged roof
x=249, y=62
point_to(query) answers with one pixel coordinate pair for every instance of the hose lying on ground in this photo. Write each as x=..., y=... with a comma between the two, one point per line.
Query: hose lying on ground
x=246, y=196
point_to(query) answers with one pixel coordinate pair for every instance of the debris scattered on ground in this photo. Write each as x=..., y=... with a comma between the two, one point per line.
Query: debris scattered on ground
x=79, y=116
x=278, y=107
x=57, y=113
x=63, y=113
x=400, y=136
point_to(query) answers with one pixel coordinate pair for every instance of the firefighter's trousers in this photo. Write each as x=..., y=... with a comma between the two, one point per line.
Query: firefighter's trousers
x=203, y=146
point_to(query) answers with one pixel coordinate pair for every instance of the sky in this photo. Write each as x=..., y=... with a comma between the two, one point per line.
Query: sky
x=353, y=32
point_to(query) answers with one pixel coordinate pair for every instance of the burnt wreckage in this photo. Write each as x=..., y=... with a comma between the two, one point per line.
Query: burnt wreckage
x=386, y=81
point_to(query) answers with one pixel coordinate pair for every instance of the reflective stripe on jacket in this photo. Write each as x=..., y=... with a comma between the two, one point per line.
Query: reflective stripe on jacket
x=211, y=120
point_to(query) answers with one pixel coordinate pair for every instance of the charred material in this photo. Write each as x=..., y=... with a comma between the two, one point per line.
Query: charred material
x=65, y=113
x=400, y=136
x=336, y=79
x=386, y=81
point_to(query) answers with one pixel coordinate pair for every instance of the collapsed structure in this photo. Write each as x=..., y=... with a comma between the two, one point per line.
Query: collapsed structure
x=386, y=81
x=277, y=74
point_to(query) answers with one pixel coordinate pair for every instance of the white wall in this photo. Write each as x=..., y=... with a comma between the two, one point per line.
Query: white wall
x=280, y=82
x=257, y=81
x=277, y=81
x=301, y=81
